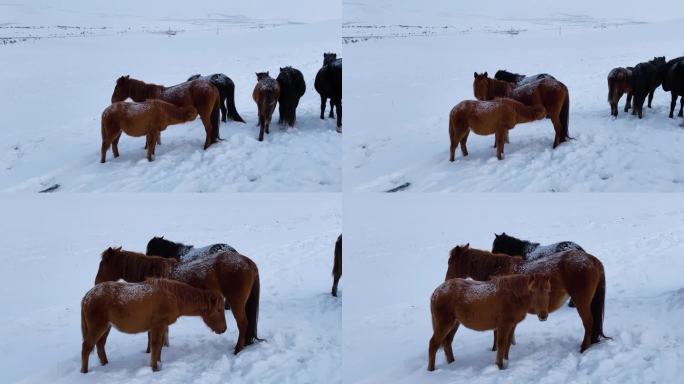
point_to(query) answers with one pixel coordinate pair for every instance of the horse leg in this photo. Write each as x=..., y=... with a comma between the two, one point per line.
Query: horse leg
x=503, y=334
x=101, y=354
x=331, y=114
x=628, y=103
x=673, y=104
x=323, y=99
x=511, y=340
x=93, y=335
x=166, y=336
x=499, y=137
x=103, y=151
x=494, y=343
x=115, y=145
x=156, y=341
x=446, y=344
x=222, y=105
x=650, y=97
x=206, y=121
x=149, y=144
x=334, y=287
x=681, y=106
x=583, y=303
x=338, y=110
x=440, y=330
x=464, y=139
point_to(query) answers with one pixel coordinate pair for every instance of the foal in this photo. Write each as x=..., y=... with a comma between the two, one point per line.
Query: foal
x=151, y=306
x=266, y=94
x=499, y=304
x=148, y=118
x=488, y=117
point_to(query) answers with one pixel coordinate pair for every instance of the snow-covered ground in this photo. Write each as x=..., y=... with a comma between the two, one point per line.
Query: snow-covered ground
x=50, y=252
x=409, y=63
x=397, y=249
x=61, y=61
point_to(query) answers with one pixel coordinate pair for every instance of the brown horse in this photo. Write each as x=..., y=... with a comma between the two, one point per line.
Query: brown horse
x=548, y=92
x=199, y=93
x=266, y=94
x=574, y=273
x=498, y=304
x=148, y=118
x=232, y=274
x=488, y=117
x=151, y=306
x=619, y=83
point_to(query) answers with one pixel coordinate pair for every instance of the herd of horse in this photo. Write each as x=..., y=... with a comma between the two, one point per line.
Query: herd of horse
x=155, y=107
x=516, y=278
x=166, y=282
x=642, y=80
x=509, y=99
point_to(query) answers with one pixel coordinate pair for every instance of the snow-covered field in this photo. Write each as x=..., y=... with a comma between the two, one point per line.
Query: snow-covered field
x=59, y=67
x=408, y=63
x=397, y=249
x=50, y=254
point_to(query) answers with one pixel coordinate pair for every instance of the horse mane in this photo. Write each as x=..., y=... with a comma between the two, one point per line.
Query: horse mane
x=139, y=90
x=133, y=266
x=185, y=293
x=510, y=77
x=510, y=245
x=481, y=265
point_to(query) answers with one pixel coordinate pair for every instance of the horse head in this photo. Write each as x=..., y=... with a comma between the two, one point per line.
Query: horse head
x=121, y=90
x=539, y=287
x=481, y=86
x=329, y=57
x=262, y=75
x=455, y=268
x=215, y=318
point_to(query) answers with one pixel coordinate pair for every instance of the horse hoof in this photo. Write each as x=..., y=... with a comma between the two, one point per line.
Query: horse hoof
x=84, y=371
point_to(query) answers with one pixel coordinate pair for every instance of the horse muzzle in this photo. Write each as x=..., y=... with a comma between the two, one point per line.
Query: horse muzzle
x=543, y=316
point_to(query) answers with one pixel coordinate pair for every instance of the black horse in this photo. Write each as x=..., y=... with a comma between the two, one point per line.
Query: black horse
x=292, y=88
x=159, y=246
x=329, y=85
x=528, y=250
x=673, y=81
x=646, y=77
x=518, y=79
x=337, y=266
x=226, y=89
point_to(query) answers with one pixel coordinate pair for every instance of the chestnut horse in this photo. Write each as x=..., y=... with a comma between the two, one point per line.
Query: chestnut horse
x=232, y=274
x=148, y=118
x=547, y=92
x=574, y=273
x=266, y=94
x=498, y=304
x=337, y=265
x=488, y=117
x=151, y=305
x=199, y=93
x=619, y=83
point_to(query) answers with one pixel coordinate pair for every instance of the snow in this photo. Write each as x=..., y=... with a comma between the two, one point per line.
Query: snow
x=51, y=251
x=397, y=249
x=61, y=62
x=408, y=64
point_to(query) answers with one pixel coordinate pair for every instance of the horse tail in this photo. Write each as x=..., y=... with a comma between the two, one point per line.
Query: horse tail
x=252, y=309
x=230, y=103
x=564, y=116
x=597, y=309
x=611, y=88
x=452, y=126
x=215, y=116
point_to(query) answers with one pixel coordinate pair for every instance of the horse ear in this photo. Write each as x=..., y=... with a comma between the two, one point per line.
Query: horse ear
x=475, y=74
x=485, y=74
x=466, y=246
x=503, y=233
x=128, y=76
x=266, y=73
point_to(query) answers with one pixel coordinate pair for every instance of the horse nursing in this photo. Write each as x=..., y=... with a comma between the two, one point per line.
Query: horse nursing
x=488, y=117
x=151, y=305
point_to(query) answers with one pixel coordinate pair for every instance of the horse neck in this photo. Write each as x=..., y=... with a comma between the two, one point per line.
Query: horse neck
x=184, y=249
x=140, y=91
x=481, y=266
x=134, y=268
